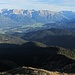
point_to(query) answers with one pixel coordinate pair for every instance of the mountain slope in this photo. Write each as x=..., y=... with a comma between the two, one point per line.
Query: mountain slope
x=7, y=22
x=48, y=58
x=33, y=71
x=54, y=36
x=11, y=39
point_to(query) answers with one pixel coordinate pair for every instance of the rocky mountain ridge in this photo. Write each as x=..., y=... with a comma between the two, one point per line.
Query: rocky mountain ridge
x=32, y=71
x=36, y=16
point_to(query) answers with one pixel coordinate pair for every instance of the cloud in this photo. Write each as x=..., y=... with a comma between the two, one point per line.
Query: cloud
x=56, y=5
x=68, y=2
x=3, y=3
x=51, y=7
x=59, y=2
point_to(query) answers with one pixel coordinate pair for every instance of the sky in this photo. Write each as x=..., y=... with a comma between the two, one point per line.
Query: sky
x=53, y=5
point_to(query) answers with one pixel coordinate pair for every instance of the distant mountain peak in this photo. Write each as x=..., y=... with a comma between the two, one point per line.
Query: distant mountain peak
x=25, y=17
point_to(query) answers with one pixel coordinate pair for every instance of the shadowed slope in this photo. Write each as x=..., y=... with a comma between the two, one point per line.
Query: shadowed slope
x=32, y=54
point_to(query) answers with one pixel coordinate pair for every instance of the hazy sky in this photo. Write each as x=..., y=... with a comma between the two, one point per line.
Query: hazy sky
x=55, y=5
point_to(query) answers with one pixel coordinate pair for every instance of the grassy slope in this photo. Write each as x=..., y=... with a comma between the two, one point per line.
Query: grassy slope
x=11, y=39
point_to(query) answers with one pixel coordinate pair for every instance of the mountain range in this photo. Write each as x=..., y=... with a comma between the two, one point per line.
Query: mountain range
x=16, y=17
x=37, y=38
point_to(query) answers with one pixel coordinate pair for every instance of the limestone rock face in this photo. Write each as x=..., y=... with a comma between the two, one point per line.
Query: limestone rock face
x=41, y=16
